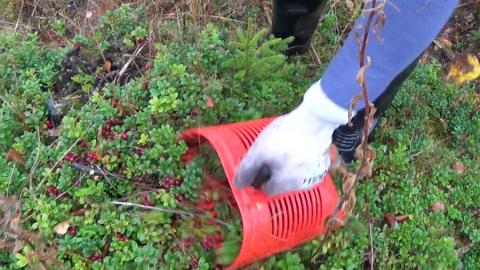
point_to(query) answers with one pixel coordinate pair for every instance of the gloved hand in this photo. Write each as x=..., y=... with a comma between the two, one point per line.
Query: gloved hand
x=293, y=152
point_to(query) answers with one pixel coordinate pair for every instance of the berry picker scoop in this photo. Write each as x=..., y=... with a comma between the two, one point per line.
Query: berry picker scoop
x=270, y=224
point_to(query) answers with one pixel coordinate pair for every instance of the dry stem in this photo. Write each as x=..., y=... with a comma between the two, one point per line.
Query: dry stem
x=364, y=152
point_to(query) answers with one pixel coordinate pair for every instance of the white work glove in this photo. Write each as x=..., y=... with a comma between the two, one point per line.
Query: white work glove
x=293, y=152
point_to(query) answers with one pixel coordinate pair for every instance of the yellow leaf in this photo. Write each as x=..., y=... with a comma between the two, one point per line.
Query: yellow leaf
x=464, y=68
x=62, y=227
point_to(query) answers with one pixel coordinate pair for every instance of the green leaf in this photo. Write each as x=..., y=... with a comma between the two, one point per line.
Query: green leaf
x=22, y=261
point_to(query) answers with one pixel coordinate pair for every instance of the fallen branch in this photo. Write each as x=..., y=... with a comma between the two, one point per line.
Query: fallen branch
x=96, y=170
x=166, y=210
x=161, y=209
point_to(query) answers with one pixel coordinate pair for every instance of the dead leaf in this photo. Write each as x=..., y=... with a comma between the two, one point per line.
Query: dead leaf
x=379, y=24
x=370, y=156
x=62, y=227
x=334, y=224
x=79, y=211
x=107, y=66
x=459, y=167
x=389, y=218
x=353, y=104
x=348, y=182
x=360, y=77
x=464, y=68
x=15, y=156
x=402, y=218
x=349, y=204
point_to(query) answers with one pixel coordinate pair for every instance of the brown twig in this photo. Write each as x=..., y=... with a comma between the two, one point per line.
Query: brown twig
x=129, y=61
x=364, y=93
x=97, y=170
x=19, y=17
x=165, y=210
x=364, y=152
x=468, y=3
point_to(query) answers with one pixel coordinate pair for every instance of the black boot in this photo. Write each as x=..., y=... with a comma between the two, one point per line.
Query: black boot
x=296, y=19
x=348, y=138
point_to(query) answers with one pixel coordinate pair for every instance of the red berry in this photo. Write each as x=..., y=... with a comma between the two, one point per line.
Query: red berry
x=116, y=121
x=181, y=198
x=83, y=144
x=121, y=237
x=207, y=205
x=146, y=200
x=77, y=182
x=71, y=157
x=53, y=191
x=124, y=136
x=97, y=256
x=115, y=102
x=140, y=151
x=165, y=186
x=106, y=130
x=208, y=243
x=210, y=102
x=49, y=124
x=93, y=156
x=72, y=230
x=195, y=112
x=194, y=263
x=188, y=242
x=218, y=237
x=141, y=42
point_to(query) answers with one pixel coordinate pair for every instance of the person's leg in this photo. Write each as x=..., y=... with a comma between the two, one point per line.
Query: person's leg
x=298, y=19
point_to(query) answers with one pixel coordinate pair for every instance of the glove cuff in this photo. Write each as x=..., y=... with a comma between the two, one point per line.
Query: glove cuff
x=316, y=103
